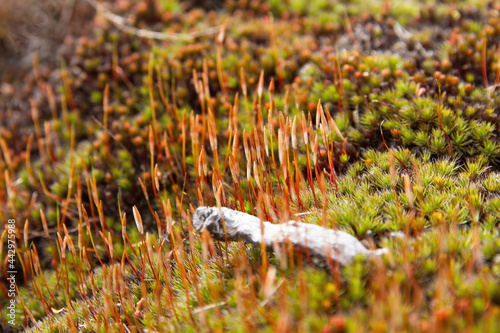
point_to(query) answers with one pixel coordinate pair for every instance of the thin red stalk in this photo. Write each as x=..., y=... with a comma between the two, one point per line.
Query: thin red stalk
x=37, y=286
x=497, y=80
x=297, y=190
x=309, y=176
x=180, y=261
x=390, y=151
x=339, y=83
x=242, y=206
x=24, y=312
x=90, y=234
x=439, y=117
x=485, y=73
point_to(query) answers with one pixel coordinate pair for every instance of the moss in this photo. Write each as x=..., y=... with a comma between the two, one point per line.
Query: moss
x=382, y=171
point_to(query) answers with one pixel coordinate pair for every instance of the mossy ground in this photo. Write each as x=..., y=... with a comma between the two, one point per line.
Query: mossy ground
x=378, y=118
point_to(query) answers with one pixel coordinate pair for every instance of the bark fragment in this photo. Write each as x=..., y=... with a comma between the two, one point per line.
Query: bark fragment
x=319, y=243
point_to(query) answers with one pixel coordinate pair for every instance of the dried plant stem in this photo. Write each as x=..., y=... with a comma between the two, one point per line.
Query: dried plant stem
x=121, y=24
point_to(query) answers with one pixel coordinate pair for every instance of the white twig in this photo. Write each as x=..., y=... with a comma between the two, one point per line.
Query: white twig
x=121, y=24
x=320, y=244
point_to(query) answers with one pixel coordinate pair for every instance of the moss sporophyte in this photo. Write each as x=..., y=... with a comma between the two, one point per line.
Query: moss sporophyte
x=373, y=120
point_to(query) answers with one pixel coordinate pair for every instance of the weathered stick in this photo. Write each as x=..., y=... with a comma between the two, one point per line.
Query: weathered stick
x=121, y=23
x=320, y=244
